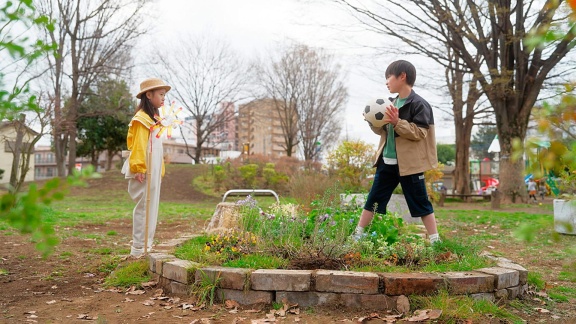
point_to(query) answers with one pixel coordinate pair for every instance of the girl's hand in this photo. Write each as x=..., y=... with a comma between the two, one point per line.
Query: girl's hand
x=140, y=177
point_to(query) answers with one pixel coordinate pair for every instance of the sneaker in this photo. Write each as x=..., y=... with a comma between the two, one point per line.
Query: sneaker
x=357, y=236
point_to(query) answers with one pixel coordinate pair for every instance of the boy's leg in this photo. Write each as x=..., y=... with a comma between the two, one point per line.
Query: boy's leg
x=414, y=188
x=429, y=222
x=386, y=179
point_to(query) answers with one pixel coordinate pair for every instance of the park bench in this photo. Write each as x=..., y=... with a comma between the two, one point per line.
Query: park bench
x=465, y=197
x=251, y=192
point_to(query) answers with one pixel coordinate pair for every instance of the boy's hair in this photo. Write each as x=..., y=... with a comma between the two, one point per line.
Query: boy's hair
x=396, y=68
x=146, y=106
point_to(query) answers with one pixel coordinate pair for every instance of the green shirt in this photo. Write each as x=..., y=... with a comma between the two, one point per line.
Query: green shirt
x=390, y=146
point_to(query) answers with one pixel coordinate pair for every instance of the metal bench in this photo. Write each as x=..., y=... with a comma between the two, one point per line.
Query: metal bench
x=253, y=192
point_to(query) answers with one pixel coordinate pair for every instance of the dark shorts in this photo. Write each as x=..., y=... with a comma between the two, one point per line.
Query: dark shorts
x=386, y=180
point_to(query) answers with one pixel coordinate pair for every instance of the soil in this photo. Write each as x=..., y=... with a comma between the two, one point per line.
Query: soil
x=66, y=287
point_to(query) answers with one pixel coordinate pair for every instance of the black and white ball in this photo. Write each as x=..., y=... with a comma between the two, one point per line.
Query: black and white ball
x=374, y=111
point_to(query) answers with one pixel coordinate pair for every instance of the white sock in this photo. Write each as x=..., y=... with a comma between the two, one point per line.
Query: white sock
x=359, y=230
x=434, y=238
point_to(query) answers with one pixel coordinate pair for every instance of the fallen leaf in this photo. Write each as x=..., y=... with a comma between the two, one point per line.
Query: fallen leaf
x=135, y=292
x=51, y=302
x=149, y=284
x=251, y=311
x=148, y=303
x=424, y=314
x=231, y=304
x=541, y=310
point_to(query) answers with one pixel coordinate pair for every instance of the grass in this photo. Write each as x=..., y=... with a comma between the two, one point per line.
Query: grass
x=131, y=274
x=462, y=309
x=205, y=290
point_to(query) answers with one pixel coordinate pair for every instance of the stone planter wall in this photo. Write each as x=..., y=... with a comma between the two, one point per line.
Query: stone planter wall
x=377, y=291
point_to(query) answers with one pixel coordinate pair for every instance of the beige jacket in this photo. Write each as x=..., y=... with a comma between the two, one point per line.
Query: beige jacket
x=415, y=137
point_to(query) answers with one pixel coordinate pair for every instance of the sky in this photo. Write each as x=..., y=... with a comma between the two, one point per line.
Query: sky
x=253, y=27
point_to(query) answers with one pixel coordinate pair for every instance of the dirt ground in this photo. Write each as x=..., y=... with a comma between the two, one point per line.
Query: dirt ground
x=67, y=286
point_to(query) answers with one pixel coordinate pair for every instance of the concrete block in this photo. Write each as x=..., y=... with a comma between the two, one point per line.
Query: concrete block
x=371, y=302
x=155, y=261
x=501, y=294
x=346, y=282
x=182, y=271
x=178, y=288
x=230, y=278
x=411, y=283
x=514, y=292
x=522, y=272
x=308, y=298
x=280, y=280
x=247, y=297
x=504, y=278
x=470, y=282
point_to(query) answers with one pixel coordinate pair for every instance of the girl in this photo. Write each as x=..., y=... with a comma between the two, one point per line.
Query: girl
x=145, y=166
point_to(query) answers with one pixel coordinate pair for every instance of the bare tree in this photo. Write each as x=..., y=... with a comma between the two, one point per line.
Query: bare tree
x=309, y=96
x=204, y=72
x=22, y=146
x=509, y=72
x=94, y=40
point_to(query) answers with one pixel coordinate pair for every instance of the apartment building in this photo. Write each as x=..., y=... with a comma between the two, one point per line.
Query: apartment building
x=260, y=129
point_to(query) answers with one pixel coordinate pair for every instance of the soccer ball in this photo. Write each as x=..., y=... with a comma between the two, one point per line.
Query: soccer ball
x=374, y=111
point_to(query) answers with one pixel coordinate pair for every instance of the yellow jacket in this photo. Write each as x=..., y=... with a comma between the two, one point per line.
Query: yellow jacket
x=137, y=141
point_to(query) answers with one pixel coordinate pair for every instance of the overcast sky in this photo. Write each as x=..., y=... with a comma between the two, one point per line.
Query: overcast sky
x=254, y=27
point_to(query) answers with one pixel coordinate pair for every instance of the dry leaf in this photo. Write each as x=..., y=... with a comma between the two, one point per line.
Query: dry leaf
x=237, y=320
x=231, y=304
x=541, y=310
x=425, y=314
x=251, y=311
x=148, y=303
x=135, y=292
x=51, y=302
x=127, y=300
x=84, y=317
x=149, y=284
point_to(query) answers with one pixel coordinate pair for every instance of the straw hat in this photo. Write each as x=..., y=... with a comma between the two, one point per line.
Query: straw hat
x=152, y=84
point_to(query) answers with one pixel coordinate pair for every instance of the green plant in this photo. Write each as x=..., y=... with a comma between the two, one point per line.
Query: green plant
x=248, y=173
x=109, y=263
x=3, y=272
x=131, y=274
x=205, y=289
x=462, y=308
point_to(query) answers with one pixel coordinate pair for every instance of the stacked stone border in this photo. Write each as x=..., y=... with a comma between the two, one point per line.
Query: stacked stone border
x=370, y=290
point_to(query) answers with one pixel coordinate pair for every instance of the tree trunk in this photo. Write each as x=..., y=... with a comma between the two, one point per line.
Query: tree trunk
x=16, y=151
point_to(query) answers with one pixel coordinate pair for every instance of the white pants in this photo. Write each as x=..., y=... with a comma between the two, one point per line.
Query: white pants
x=138, y=191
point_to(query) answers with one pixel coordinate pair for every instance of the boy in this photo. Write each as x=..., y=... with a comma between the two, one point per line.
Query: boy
x=407, y=148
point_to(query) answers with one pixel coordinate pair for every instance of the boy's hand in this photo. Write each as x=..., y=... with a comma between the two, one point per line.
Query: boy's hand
x=391, y=115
